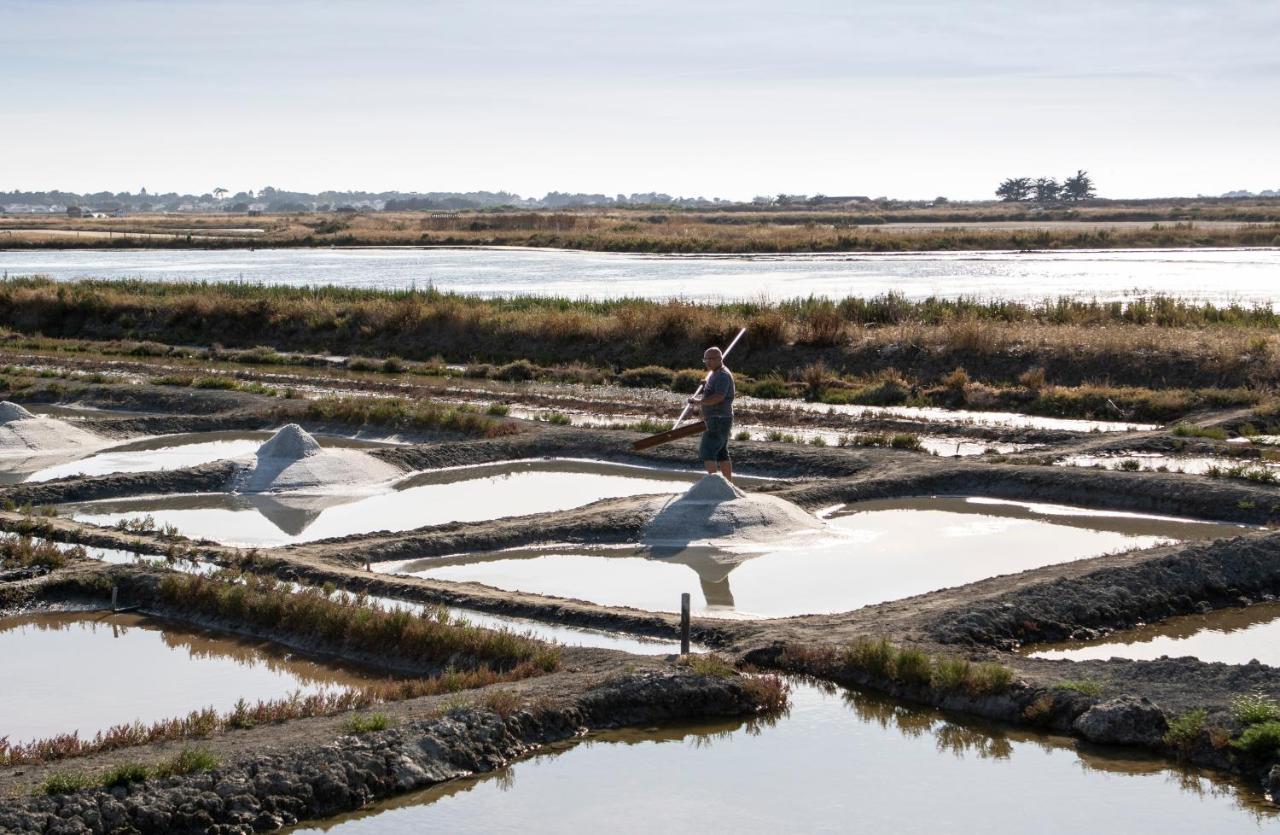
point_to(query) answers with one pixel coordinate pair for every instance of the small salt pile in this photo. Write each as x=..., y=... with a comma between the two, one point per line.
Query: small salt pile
x=292, y=460
x=715, y=511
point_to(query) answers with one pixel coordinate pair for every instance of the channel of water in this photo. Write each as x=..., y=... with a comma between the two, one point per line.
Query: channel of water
x=839, y=761
x=1221, y=276
x=1230, y=636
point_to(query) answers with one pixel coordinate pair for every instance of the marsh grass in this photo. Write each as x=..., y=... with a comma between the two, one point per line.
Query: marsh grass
x=401, y=413
x=17, y=551
x=1060, y=342
x=349, y=624
x=879, y=659
x=367, y=723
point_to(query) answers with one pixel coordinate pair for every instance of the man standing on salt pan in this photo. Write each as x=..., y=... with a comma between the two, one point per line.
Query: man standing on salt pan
x=716, y=403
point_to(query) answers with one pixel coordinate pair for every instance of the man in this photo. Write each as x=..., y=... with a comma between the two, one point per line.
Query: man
x=716, y=404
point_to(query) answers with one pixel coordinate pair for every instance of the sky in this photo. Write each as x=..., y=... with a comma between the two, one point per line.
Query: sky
x=688, y=97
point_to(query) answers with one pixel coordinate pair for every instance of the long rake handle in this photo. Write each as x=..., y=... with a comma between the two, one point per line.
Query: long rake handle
x=689, y=406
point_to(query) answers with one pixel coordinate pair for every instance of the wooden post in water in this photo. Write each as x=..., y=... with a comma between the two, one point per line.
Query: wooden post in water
x=684, y=623
x=115, y=591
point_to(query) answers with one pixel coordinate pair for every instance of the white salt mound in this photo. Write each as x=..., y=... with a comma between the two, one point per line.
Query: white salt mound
x=23, y=432
x=715, y=511
x=293, y=460
x=12, y=411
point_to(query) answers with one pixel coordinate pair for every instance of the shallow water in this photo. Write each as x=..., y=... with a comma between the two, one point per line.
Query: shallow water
x=163, y=452
x=877, y=551
x=1221, y=275
x=1232, y=636
x=464, y=494
x=87, y=671
x=1193, y=464
x=841, y=761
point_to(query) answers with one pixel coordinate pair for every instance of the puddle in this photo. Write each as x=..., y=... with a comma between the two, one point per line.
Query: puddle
x=879, y=551
x=87, y=671
x=464, y=494
x=1193, y=464
x=840, y=761
x=171, y=452
x=1231, y=636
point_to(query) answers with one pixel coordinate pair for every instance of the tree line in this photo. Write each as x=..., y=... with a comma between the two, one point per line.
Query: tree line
x=1047, y=189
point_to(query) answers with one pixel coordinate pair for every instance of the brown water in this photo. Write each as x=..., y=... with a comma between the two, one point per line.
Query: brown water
x=464, y=494
x=1232, y=636
x=839, y=762
x=877, y=551
x=87, y=671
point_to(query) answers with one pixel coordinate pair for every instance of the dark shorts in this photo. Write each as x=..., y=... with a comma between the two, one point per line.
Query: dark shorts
x=715, y=441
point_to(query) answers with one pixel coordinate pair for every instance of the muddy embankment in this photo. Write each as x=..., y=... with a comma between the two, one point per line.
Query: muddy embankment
x=264, y=791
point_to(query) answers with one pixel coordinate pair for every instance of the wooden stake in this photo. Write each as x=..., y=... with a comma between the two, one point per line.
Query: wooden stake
x=684, y=623
x=115, y=591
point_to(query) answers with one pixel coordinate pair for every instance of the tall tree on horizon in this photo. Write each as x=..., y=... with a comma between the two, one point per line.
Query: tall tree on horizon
x=1079, y=187
x=1014, y=189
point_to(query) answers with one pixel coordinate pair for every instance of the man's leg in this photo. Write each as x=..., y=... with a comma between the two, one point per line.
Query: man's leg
x=726, y=469
x=711, y=467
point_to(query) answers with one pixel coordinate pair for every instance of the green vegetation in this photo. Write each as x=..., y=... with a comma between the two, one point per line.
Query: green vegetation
x=879, y=659
x=1261, y=740
x=709, y=664
x=340, y=624
x=24, y=552
x=63, y=782
x=1254, y=708
x=399, y=413
x=188, y=761
x=367, y=723
x=1087, y=686
x=1184, y=731
x=1187, y=430
x=1048, y=355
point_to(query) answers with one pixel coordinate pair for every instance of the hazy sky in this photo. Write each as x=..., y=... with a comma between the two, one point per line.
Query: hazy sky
x=732, y=99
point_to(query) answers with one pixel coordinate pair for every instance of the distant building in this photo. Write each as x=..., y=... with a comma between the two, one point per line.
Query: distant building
x=75, y=211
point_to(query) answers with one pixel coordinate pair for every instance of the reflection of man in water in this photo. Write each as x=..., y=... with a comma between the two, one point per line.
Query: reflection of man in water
x=716, y=403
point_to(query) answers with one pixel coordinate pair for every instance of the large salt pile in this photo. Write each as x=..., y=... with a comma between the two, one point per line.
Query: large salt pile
x=25, y=433
x=715, y=512
x=292, y=460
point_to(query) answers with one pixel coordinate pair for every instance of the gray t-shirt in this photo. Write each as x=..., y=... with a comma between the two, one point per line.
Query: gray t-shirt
x=720, y=381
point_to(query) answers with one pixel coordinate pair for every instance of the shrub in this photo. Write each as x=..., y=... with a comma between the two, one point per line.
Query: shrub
x=874, y=657
x=686, y=381
x=497, y=410
x=1254, y=708
x=1032, y=378
x=1184, y=731
x=815, y=377
x=905, y=441
x=502, y=702
x=122, y=775
x=956, y=381
x=988, y=677
x=772, y=387
x=210, y=382
x=367, y=723
x=951, y=673
x=911, y=666
x=188, y=761
x=1262, y=739
x=742, y=435
x=64, y=782
x=649, y=376
x=520, y=371
x=709, y=664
